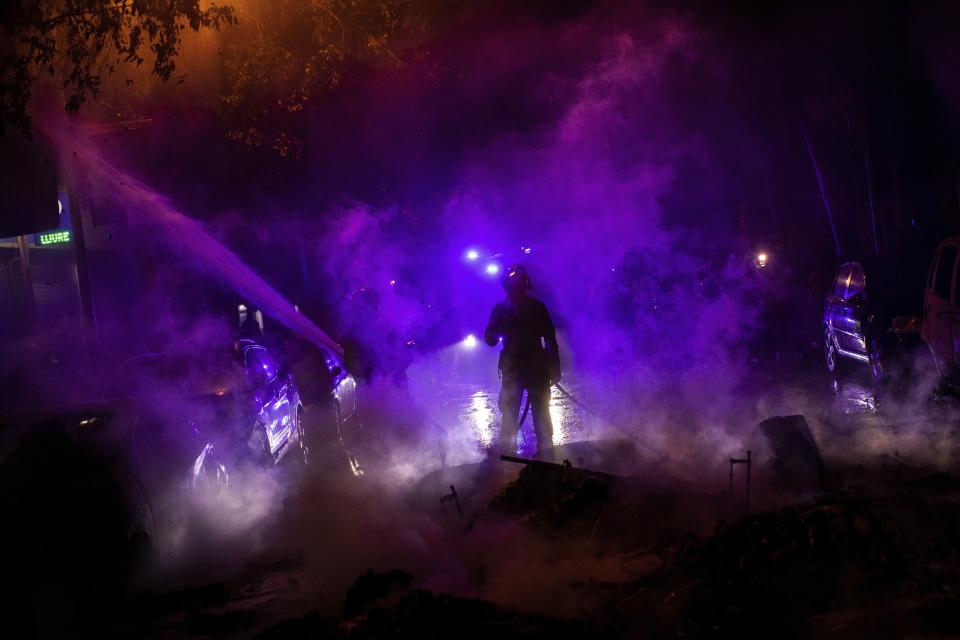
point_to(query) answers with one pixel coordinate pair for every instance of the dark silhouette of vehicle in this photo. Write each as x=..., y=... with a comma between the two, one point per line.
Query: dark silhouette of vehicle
x=169, y=434
x=329, y=390
x=941, y=310
x=237, y=408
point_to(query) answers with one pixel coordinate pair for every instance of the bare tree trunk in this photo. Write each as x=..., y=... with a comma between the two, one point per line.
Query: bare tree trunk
x=83, y=272
x=823, y=191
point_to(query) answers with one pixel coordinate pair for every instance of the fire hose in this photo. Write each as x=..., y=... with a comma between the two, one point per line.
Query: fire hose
x=526, y=409
x=569, y=396
x=566, y=394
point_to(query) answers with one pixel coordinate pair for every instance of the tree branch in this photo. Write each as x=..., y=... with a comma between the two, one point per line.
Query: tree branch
x=55, y=21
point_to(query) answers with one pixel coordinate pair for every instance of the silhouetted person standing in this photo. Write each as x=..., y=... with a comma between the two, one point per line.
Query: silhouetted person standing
x=529, y=361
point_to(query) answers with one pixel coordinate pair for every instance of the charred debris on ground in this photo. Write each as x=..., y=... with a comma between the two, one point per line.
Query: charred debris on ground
x=876, y=558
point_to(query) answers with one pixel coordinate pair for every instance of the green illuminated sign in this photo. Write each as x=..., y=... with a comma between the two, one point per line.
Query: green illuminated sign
x=55, y=237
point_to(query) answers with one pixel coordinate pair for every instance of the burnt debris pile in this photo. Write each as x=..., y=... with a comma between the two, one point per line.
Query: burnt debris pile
x=852, y=563
x=557, y=496
x=619, y=560
x=848, y=564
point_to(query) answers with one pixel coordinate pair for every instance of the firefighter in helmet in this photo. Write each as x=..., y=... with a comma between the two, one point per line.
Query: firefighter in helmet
x=529, y=361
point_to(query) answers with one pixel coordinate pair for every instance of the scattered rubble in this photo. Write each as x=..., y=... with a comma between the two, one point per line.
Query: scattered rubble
x=880, y=558
x=557, y=495
x=846, y=564
x=850, y=564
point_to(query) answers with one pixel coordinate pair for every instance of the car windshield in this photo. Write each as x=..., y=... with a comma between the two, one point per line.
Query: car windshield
x=857, y=281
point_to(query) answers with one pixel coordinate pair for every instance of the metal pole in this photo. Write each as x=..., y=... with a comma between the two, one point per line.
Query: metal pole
x=749, y=462
x=731, y=475
x=83, y=274
x=30, y=311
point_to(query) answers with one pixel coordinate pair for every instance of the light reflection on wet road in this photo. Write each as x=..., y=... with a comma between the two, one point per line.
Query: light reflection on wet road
x=857, y=421
x=470, y=413
x=459, y=388
x=852, y=417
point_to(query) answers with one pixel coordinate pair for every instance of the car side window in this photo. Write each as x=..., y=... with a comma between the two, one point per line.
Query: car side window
x=261, y=369
x=944, y=275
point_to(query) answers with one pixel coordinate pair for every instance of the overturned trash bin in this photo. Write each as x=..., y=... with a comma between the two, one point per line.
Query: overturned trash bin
x=797, y=466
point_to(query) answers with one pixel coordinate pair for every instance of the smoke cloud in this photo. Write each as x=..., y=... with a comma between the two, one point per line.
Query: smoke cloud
x=618, y=147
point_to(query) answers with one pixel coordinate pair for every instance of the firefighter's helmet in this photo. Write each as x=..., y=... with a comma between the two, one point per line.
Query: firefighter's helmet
x=516, y=279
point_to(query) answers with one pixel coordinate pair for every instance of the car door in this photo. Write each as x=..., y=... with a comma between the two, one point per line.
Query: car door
x=940, y=314
x=271, y=394
x=344, y=386
x=854, y=310
x=834, y=294
x=837, y=308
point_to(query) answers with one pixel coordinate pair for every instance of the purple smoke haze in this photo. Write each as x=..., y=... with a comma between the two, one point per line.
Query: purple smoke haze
x=641, y=154
x=604, y=176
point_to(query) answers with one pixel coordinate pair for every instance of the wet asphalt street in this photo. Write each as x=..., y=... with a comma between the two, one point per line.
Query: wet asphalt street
x=852, y=417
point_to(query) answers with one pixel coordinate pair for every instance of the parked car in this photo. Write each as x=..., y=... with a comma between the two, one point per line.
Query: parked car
x=872, y=312
x=193, y=421
x=88, y=489
x=941, y=310
x=850, y=327
x=230, y=407
x=327, y=385
x=328, y=390
x=868, y=313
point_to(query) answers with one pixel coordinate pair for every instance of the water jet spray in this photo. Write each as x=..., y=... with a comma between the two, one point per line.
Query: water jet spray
x=191, y=238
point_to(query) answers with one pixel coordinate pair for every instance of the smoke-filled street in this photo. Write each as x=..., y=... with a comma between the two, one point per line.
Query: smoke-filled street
x=858, y=420
x=430, y=319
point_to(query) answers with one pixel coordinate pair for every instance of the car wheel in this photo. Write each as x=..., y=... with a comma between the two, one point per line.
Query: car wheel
x=830, y=355
x=876, y=359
